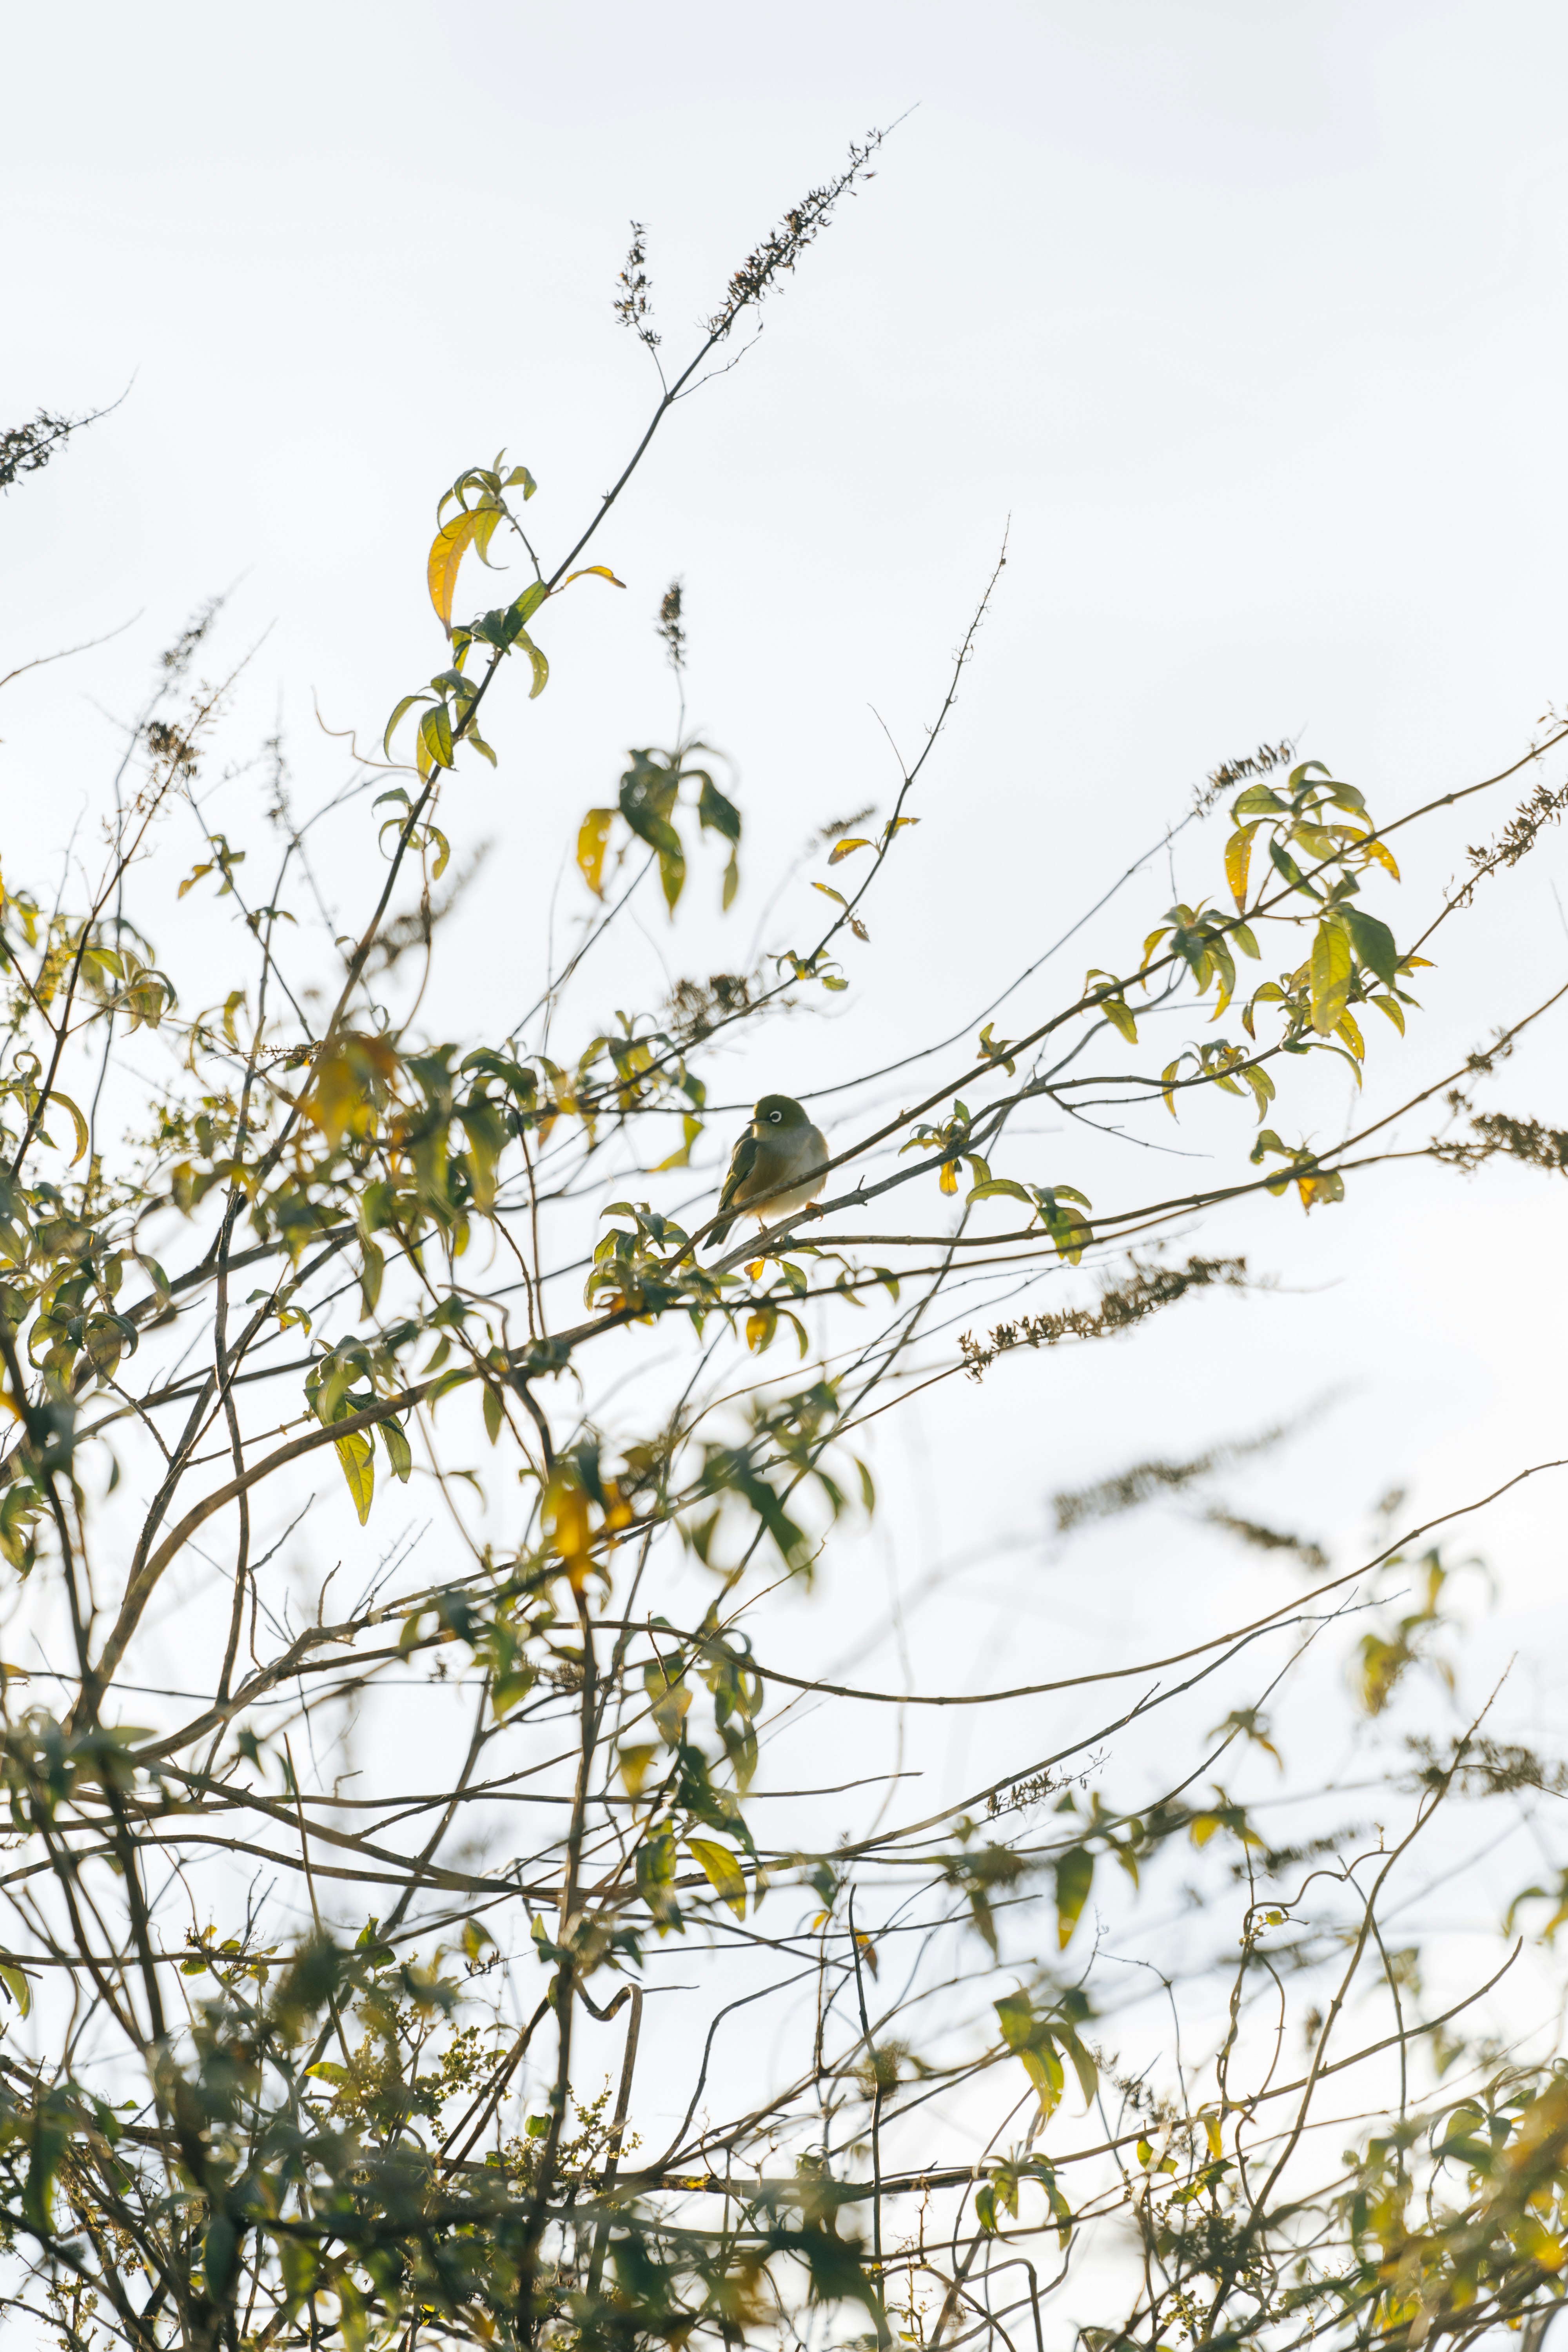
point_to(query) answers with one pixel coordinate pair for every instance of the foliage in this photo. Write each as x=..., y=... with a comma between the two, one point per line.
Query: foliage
x=252, y=2110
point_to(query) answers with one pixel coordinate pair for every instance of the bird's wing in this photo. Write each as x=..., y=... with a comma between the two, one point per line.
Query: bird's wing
x=742, y=1160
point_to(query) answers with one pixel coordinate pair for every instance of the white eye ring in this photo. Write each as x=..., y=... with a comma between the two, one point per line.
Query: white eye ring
x=775, y=1117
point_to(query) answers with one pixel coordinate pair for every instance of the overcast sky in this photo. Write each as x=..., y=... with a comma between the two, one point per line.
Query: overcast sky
x=1248, y=323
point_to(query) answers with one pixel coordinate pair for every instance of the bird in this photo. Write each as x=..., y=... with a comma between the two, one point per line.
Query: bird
x=780, y=1148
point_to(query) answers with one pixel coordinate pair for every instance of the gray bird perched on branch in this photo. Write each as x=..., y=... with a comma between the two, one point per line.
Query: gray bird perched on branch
x=780, y=1149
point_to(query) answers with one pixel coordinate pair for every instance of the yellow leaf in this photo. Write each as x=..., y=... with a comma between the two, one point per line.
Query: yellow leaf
x=1349, y=1031
x=1237, y=857
x=594, y=572
x=761, y=1324
x=724, y=1873
x=1214, y=2132
x=566, y=1517
x=593, y=840
x=77, y=1122
x=1383, y=856
x=842, y=849
x=1331, y=975
x=948, y=1180
x=447, y=549
x=358, y=1457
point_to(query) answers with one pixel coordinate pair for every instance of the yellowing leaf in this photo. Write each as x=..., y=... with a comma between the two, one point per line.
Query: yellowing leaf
x=828, y=892
x=593, y=840
x=447, y=549
x=541, y=666
x=17, y=1986
x=357, y=1455
x=1330, y=978
x=565, y=1515
x=1383, y=856
x=77, y=1122
x=435, y=739
x=842, y=849
x=1214, y=2134
x=1349, y=1031
x=1237, y=858
x=724, y=1873
x=594, y=572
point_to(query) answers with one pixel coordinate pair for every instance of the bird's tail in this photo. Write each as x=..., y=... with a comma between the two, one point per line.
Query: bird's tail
x=720, y=1234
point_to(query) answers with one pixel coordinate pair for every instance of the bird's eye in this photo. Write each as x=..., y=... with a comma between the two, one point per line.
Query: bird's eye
x=775, y=1117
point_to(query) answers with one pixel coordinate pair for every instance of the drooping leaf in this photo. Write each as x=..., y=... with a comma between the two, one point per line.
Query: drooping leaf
x=435, y=738
x=1385, y=857
x=594, y=572
x=76, y=1121
x=724, y=1871
x=357, y=1456
x=407, y=705
x=718, y=814
x=1373, y=942
x=447, y=549
x=1075, y=1876
x=1237, y=858
x=1331, y=970
x=398, y=1451
x=593, y=840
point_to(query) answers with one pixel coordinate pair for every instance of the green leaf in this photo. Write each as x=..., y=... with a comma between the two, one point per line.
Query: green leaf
x=358, y=1457
x=1373, y=942
x=1075, y=1876
x=1258, y=800
x=493, y=1411
x=15, y=1983
x=398, y=1451
x=528, y=602
x=1290, y=870
x=724, y=1873
x=715, y=813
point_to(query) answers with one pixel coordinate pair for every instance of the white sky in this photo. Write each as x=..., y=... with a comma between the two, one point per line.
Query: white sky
x=1250, y=318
